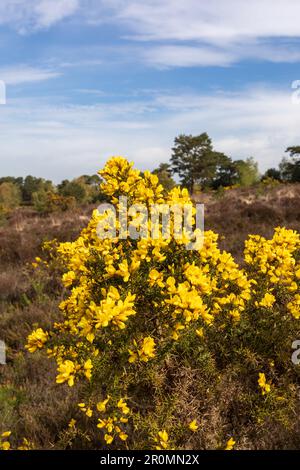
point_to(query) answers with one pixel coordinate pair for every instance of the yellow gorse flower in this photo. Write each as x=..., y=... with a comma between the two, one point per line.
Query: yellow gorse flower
x=193, y=426
x=156, y=278
x=294, y=306
x=67, y=370
x=115, y=418
x=145, y=352
x=162, y=440
x=265, y=387
x=5, y=444
x=36, y=340
x=68, y=278
x=123, y=406
x=230, y=444
x=101, y=406
x=267, y=301
x=86, y=409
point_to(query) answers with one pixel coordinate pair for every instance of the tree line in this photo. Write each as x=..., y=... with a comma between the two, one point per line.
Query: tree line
x=44, y=196
x=194, y=161
x=198, y=164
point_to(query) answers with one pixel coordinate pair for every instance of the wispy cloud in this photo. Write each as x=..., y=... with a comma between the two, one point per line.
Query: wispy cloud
x=186, y=56
x=165, y=56
x=215, y=21
x=62, y=141
x=19, y=74
x=32, y=15
x=173, y=33
x=196, y=33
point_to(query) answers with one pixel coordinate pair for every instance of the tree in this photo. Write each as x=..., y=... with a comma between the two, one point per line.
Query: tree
x=164, y=174
x=91, y=184
x=40, y=201
x=195, y=160
x=290, y=168
x=90, y=180
x=226, y=174
x=10, y=197
x=72, y=189
x=32, y=185
x=247, y=171
x=47, y=202
x=18, y=181
x=272, y=173
x=85, y=189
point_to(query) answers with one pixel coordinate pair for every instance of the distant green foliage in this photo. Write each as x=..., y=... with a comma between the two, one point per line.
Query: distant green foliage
x=164, y=174
x=290, y=167
x=193, y=160
x=247, y=172
x=19, y=181
x=47, y=202
x=32, y=185
x=10, y=198
x=196, y=162
x=272, y=173
x=85, y=189
x=73, y=189
x=40, y=201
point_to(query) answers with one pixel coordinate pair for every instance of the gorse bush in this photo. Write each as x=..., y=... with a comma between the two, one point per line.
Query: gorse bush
x=155, y=335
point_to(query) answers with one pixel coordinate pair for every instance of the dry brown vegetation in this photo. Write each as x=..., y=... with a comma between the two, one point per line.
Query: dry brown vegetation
x=236, y=213
x=31, y=404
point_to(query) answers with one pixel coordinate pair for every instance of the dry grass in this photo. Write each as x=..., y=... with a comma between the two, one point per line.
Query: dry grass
x=239, y=212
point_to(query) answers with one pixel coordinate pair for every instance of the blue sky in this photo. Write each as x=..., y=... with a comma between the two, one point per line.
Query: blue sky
x=87, y=79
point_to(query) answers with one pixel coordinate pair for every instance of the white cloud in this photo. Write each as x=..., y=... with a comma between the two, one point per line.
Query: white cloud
x=49, y=12
x=176, y=33
x=202, y=56
x=215, y=21
x=198, y=33
x=19, y=74
x=28, y=15
x=185, y=56
x=64, y=141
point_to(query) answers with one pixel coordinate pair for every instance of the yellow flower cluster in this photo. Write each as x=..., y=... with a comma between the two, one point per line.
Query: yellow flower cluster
x=38, y=262
x=85, y=409
x=193, y=426
x=275, y=264
x=5, y=444
x=111, y=281
x=36, y=340
x=112, y=310
x=262, y=382
x=68, y=370
x=162, y=440
x=267, y=301
x=112, y=417
x=230, y=444
x=121, y=179
x=113, y=423
x=132, y=300
x=156, y=278
x=145, y=352
x=294, y=306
